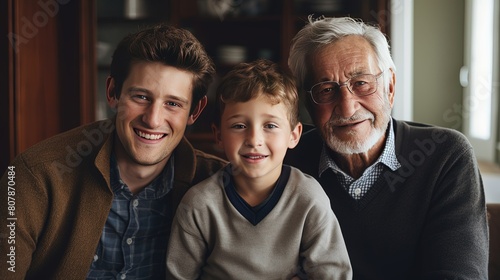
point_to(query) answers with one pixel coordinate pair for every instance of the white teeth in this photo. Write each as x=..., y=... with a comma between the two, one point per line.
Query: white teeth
x=256, y=157
x=149, y=136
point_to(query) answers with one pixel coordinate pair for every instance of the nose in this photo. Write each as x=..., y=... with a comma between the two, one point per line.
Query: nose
x=346, y=104
x=152, y=116
x=254, y=137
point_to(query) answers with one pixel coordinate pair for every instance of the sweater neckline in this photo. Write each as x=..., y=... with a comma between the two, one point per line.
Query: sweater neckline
x=255, y=215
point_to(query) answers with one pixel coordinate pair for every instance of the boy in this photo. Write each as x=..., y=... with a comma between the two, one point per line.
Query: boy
x=257, y=218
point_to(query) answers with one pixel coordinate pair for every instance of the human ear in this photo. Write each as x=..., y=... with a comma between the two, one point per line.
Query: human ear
x=217, y=135
x=295, y=136
x=111, y=92
x=197, y=110
x=391, y=90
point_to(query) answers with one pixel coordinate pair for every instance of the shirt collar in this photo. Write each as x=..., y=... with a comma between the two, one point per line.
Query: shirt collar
x=388, y=156
x=158, y=188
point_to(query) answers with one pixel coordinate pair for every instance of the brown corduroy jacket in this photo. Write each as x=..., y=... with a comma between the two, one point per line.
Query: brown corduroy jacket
x=59, y=199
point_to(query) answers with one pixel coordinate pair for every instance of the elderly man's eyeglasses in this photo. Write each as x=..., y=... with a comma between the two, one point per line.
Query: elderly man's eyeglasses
x=359, y=85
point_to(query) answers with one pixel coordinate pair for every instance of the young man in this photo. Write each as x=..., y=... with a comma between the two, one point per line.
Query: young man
x=256, y=218
x=408, y=196
x=97, y=202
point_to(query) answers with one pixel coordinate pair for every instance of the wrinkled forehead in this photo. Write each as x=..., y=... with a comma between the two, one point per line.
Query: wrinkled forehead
x=344, y=58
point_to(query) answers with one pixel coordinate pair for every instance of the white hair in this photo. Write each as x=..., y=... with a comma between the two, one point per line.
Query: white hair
x=322, y=31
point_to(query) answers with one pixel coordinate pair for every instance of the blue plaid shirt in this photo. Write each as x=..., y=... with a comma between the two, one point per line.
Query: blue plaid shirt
x=358, y=188
x=134, y=241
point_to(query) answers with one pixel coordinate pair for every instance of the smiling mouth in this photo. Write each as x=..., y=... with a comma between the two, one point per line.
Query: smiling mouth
x=345, y=124
x=149, y=136
x=254, y=157
x=350, y=124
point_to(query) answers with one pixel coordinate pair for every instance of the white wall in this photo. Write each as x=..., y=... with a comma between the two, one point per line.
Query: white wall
x=402, y=54
x=438, y=56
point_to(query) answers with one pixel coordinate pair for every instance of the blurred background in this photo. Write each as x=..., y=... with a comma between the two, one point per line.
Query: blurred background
x=55, y=58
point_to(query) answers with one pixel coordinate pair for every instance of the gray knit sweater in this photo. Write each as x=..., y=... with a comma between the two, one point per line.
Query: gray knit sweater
x=215, y=237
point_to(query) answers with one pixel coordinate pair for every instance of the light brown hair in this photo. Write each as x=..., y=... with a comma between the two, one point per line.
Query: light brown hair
x=261, y=77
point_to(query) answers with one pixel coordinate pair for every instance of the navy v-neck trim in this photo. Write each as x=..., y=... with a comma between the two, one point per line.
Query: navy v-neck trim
x=254, y=217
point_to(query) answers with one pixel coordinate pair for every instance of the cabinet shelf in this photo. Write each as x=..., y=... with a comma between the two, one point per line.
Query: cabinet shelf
x=123, y=20
x=261, y=19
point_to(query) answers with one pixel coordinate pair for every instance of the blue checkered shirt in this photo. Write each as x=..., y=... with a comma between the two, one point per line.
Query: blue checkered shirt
x=134, y=241
x=358, y=188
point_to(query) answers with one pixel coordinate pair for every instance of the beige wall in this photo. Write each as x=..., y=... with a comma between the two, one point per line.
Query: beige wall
x=438, y=56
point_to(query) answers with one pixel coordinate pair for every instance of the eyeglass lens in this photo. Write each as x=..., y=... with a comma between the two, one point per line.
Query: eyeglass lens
x=359, y=85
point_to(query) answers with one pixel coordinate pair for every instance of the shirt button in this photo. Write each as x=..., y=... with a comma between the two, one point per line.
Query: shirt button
x=357, y=191
x=96, y=257
x=135, y=203
x=129, y=241
x=123, y=276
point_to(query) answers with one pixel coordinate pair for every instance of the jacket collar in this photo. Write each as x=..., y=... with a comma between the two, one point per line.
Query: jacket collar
x=185, y=163
x=102, y=160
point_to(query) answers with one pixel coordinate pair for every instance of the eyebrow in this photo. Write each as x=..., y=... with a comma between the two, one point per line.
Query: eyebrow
x=358, y=71
x=139, y=89
x=273, y=117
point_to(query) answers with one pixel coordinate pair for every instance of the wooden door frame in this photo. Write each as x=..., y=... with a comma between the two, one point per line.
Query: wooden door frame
x=74, y=34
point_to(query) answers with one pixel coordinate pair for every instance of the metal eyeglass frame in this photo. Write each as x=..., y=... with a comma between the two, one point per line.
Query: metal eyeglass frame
x=346, y=83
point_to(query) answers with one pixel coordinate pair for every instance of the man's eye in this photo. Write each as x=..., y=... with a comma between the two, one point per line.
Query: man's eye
x=326, y=90
x=173, y=104
x=140, y=98
x=360, y=83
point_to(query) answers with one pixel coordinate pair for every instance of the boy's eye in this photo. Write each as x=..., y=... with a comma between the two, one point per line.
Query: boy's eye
x=271, y=125
x=238, y=126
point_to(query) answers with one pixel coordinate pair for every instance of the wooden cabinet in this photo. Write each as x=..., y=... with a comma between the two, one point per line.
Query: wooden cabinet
x=47, y=71
x=267, y=27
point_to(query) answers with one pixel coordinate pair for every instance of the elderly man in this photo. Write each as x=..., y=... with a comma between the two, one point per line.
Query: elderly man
x=408, y=196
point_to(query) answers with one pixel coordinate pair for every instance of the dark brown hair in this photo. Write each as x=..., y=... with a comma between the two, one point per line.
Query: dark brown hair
x=166, y=44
